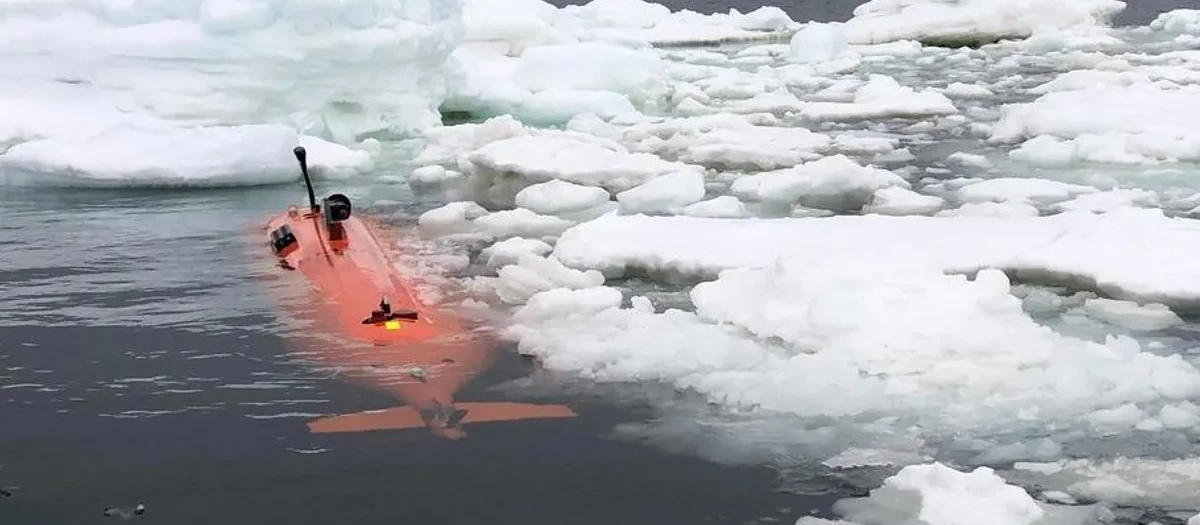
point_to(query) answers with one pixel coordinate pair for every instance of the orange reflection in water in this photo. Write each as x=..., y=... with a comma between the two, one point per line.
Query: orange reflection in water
x=328, y=284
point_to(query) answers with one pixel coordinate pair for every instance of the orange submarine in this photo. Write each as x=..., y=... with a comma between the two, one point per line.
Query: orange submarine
x=365, y=323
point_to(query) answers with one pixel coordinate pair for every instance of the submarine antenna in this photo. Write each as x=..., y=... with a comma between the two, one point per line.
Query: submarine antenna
x=302, y=157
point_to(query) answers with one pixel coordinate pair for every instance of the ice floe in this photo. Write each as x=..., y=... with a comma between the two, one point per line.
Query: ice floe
x=122, y=156
x=888, y=346
x=970, y=22
x=1082, y=248
x=1136, y=124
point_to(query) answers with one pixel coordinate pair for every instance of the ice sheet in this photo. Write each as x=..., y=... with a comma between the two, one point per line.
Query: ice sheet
x=970, y=22
x=882, y=96
x=550, y=84
x=935, y=494
x=546, y=65
x=878, y=349
x=127, y=155
x=644, y=22
x=579, y=159
x=1140, y=123
x=1093, y=251
x=335, y=69
x=833, y=182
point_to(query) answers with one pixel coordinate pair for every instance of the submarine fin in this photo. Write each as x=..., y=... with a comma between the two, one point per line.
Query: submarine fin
x=402, y=418
x=387, y=419
x=504, y=411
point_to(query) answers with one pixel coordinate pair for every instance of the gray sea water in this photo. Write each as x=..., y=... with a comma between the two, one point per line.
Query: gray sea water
x=1137, y=12
x=139, y=362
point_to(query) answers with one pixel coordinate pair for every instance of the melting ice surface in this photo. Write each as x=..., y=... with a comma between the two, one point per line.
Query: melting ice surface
x=907, y=254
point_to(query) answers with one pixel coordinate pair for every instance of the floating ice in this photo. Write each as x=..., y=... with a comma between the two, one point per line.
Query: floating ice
x=1135, y=124
x=726, y=141
x=1006, y=189
x=970, y=22
x=969, y=159
x=580, y=59
x=454, y=217
x=168, y=156
x=1179, y=21
x=884, y=343
x=901, y=201
x=961, y=90
x=432, y=176
x=590, y=65
x=521, y=223
x=555, y=197
x=581, y=159
x=510, y=250
x=646, y=23
x=991, y=209
x=550, y=84
x=725, y=207
x=334, y=69
x=834, y=182
x=512, y=25
x=1131, y=315
x=817, y=42
x=445, y=145
x=881, y=97
x=532, y=274
x=749, y=147
x=668, y=193
x=934, y=494
x=466, y=219
x=1082, y=248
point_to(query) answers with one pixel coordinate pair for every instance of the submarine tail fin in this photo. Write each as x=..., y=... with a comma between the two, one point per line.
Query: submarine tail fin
x=387, y=419
x=503, y=411
x=406, y=417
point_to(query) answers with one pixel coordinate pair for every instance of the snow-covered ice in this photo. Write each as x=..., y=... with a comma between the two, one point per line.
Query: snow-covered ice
x=168, y=156
x=558, y=196
x=885, y=346
x=968, y=22
x=936, y=494
x=307, y=58
x=835, y=182
x=578, y=159
x=1084, y=248
x=895, y=200
x=881, y=97
x=1135, y=124
x=203, y=93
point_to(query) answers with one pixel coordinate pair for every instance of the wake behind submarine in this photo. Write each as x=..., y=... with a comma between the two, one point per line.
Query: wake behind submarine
x=362, y=320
